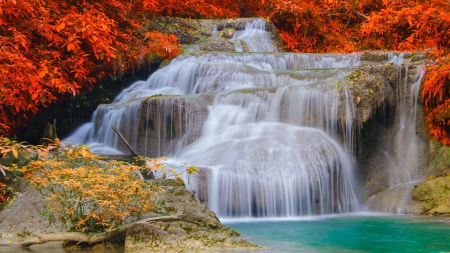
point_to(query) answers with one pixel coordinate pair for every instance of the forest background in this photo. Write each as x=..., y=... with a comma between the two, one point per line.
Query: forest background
x=51, y=50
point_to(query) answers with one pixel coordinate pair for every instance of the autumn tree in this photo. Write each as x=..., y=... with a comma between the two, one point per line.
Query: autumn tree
x=50, y=48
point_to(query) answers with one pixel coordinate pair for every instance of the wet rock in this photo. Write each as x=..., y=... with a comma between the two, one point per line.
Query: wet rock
x=371, y=89
x=165, y=120
x=388, y=152
x=434, y=195
x=396, y=200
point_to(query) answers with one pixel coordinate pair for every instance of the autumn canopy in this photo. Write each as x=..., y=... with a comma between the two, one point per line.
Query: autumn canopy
x=50, y=49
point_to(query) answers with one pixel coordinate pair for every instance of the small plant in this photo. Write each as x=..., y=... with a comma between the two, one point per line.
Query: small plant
x=24, y=233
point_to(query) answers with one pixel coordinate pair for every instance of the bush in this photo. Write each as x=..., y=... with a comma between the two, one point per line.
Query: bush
x=88, y=194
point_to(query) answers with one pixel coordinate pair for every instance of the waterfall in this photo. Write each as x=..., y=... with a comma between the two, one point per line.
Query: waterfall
x=273, y=133
x=402, y=149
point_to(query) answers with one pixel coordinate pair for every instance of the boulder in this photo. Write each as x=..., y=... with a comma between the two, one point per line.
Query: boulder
x=198, y=229
x=23, y=217
x=434, y=195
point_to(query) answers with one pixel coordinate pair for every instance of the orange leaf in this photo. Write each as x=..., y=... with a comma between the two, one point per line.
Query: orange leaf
x=60, y=26
x=70, y=47
x=34, y=96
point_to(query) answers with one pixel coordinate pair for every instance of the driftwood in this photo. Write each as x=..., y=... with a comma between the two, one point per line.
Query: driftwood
x=133, y=153
x=81, y=237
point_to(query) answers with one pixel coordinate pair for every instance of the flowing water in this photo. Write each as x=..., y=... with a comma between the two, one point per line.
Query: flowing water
x=272, y=132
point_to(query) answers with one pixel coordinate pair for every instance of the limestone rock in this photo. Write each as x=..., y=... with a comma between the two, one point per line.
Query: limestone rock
x=198, y=229
x=434, y=195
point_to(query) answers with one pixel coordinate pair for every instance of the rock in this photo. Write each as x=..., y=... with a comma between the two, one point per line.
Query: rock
x=152, y=58
x=371, y=89
x=434, y=195
x=374, y=56
x=199, y=228
x=23, y=216
x=439, y=159
x=164, y=63
x=165, y=120
x=220, y=45
x=396, y=200
x=227, y=33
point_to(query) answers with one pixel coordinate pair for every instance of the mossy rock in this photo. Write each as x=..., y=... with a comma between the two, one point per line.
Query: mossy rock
x=152, y=58
x=434, y=195
x=440, y=159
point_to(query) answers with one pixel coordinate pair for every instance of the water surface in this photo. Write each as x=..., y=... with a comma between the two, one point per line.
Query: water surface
x=348, y=233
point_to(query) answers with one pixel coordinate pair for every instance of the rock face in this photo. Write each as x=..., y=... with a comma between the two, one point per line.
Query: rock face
x=434, y=195
x=198, y=229
x=392, y=145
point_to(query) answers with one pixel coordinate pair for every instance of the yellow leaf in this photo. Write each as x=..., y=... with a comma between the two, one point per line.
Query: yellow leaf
x=70, y=158
x=370, y=90
x=83, y=152
x=15, y=153
x=367, y=182
x=192, y=169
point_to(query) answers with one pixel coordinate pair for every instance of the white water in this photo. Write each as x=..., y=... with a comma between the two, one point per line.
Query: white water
x=278, y=137
x=255, y=37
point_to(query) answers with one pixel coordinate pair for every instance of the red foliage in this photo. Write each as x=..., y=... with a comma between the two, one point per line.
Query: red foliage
x=50, y=47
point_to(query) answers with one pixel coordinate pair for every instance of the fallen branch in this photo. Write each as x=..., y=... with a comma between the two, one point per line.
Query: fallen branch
x=81, y=237
x=133, y=153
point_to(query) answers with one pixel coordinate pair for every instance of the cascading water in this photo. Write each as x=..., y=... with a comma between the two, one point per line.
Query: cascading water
x=402, y=148
x=273, y=132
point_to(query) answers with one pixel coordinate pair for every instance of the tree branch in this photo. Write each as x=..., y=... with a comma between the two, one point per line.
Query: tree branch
x=81, y=237
x=133, y=153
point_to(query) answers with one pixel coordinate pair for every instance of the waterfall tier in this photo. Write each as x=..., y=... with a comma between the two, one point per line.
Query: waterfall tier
x=274, y=133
